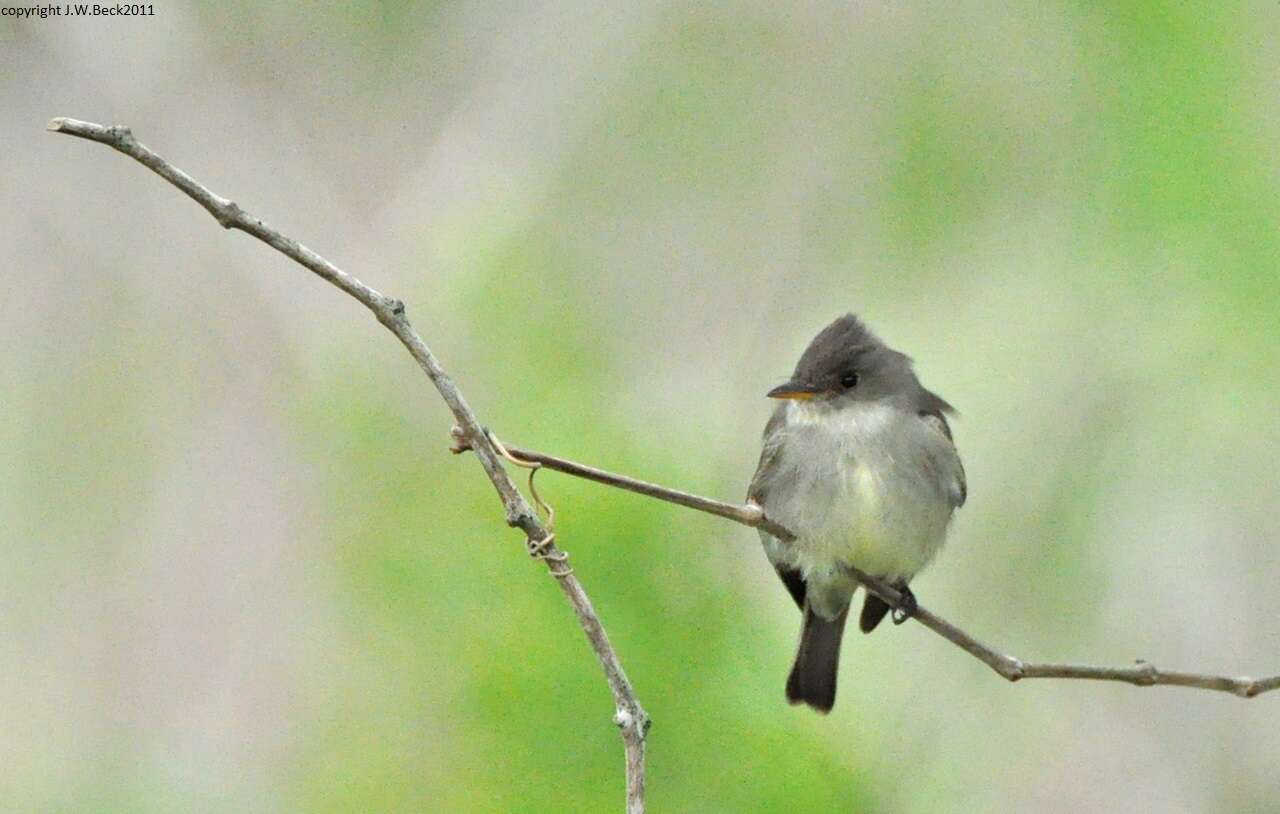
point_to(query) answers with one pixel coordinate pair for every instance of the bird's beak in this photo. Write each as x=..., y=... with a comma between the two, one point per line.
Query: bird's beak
x=799, y=391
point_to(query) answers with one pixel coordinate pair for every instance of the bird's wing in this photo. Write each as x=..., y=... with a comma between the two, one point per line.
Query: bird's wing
x=773, y=438
x=757, y=493
x=791, y=576
x=959, y=487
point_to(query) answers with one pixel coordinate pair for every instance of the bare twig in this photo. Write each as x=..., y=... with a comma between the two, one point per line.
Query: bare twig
x=1142, y=674
x=630, y=716
x=749, y=514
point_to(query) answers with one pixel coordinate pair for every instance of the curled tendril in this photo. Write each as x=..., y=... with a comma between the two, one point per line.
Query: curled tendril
x=539, y=549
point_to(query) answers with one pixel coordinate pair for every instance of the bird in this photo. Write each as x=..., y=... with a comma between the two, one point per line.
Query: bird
x=859, y=464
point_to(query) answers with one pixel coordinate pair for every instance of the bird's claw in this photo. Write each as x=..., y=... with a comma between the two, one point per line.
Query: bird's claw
x=907, y=606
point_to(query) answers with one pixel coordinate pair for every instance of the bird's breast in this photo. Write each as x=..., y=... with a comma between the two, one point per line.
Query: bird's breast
x=852, y=486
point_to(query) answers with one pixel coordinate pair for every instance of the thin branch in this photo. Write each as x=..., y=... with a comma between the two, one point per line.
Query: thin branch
x=630, y=716
x=1143, y=674
x=749, y=514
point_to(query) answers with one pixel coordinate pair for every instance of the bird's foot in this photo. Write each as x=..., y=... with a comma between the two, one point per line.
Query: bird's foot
x=907, y=605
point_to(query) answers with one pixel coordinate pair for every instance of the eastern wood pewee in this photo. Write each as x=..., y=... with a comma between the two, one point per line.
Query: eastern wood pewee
x=858, y=463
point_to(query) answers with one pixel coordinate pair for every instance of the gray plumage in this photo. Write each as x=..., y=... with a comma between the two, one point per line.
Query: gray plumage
x=859, y=464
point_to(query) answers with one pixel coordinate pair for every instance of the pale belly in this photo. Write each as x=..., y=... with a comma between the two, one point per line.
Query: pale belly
x=885, y=531
x=852, y=497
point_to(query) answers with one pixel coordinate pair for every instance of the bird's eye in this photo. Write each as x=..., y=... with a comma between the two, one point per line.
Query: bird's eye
x=849, y=380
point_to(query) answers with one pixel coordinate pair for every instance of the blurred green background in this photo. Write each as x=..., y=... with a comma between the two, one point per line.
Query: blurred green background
x=240, y=571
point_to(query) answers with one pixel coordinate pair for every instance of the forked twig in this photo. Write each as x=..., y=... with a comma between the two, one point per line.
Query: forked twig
x=630, y=717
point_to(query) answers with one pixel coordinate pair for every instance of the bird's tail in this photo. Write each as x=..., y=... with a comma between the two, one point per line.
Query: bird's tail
x=813, y=676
